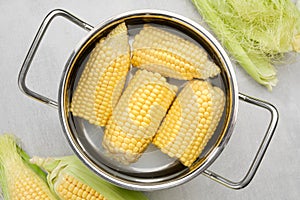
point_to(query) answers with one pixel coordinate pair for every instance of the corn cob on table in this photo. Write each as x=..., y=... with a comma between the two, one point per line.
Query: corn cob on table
x=18, y=179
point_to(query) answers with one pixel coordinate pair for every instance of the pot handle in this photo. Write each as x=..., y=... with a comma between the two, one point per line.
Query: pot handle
x=34, y=46
x=261, y=150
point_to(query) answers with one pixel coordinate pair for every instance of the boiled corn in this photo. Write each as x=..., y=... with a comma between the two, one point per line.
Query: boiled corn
x=20, y=180
x=160, y=51
x=191, y=121
x=103, y=78
x=70, y=179
x=137, y=116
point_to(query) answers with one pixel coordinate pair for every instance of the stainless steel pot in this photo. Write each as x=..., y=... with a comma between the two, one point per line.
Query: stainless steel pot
x=145, y=174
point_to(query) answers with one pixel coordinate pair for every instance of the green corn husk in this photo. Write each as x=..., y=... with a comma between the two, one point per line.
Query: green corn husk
x=60, y=168
x=257, y=33
x=19, y=179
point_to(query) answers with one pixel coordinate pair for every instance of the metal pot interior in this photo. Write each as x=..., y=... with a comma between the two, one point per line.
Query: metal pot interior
x=154, y=170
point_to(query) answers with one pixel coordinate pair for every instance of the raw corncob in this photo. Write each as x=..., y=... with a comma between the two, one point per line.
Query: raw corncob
x=103, y=78
x=20, y=180
x=191, y=121
x=170, y=55
x=70, y=179
x=137, y=116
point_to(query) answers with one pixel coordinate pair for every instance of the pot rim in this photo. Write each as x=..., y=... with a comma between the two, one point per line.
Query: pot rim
x=232, y=91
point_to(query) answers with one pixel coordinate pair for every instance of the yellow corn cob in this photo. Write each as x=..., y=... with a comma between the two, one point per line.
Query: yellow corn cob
x=103, y=78
x=137, y=116
x=70, y=179
x=170, y=55
x=191, y=121
x=72, y=188
x=18, y=179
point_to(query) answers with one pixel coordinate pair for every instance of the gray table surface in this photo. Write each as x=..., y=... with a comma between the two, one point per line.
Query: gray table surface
x=39, y=129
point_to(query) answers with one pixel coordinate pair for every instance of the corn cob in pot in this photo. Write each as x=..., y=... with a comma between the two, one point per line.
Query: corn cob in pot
x=170, y=55
x=137, y=116
x=191, y=121
x=103, y=78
